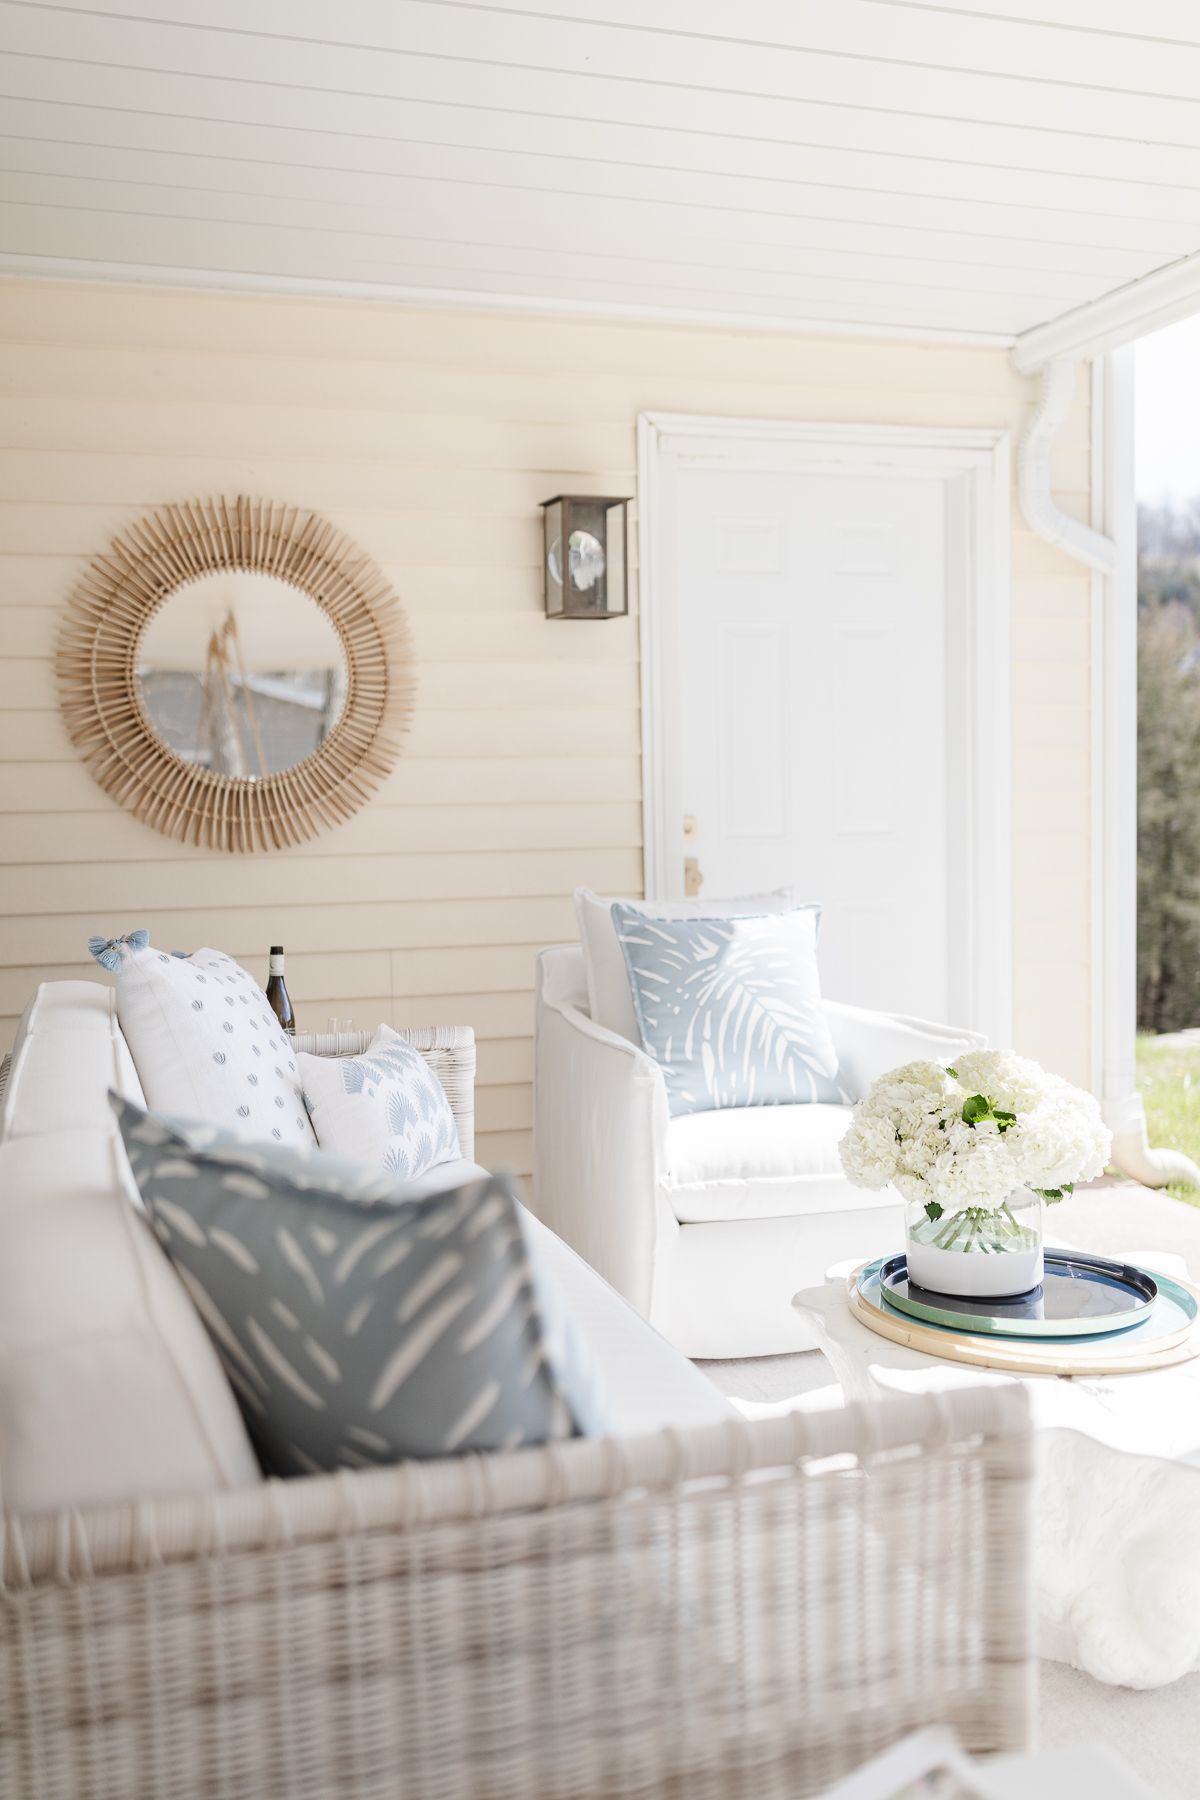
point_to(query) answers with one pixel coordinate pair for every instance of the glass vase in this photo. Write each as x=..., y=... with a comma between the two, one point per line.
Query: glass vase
x=974, y=1251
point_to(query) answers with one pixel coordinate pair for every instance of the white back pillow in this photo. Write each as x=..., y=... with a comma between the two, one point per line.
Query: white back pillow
x=205, y=1042
x=610, y=999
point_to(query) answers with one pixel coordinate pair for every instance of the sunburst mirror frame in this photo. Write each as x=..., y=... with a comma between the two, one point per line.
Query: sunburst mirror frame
x=108, y=612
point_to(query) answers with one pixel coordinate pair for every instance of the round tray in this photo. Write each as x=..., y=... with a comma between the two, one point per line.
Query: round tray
x=1169, y=1334
x=1080, y=1296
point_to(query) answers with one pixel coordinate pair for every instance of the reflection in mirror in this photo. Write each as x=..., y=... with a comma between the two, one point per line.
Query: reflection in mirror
x=585, y=560
x=242, y=672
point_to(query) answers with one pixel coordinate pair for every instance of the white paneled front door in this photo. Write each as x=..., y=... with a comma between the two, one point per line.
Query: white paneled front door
x=813, y=718
x=825, y=663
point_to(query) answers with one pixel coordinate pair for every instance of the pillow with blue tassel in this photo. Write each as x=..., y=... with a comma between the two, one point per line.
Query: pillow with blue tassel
x=204, y=1040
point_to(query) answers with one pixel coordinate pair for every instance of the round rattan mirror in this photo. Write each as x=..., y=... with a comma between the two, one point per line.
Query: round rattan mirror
x=236, y=672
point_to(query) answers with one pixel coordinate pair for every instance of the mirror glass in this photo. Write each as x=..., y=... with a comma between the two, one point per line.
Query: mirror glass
x=241, y=672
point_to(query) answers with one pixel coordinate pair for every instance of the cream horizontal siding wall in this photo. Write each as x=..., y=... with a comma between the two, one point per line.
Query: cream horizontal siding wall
x=431, y=437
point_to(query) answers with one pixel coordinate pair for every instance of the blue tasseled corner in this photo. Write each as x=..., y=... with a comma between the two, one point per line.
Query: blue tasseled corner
x=107, y=951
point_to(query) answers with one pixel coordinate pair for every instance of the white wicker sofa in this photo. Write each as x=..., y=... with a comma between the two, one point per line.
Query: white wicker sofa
x=693, y=1606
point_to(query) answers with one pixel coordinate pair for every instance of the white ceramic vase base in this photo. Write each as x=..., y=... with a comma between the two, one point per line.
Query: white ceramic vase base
x=976, y=1274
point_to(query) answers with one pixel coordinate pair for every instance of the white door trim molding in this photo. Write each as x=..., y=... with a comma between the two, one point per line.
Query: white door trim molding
x=975, y=466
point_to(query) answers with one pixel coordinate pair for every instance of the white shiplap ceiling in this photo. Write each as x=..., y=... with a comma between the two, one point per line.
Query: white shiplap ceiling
x=972, y=167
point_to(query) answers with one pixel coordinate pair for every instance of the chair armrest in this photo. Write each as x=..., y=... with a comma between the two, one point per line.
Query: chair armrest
x=869, y=1043
x=599, y=1134
x=448, y=1049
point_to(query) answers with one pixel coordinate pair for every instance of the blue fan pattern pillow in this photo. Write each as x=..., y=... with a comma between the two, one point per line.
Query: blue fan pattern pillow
x=385, y=1108
x=731, y=1008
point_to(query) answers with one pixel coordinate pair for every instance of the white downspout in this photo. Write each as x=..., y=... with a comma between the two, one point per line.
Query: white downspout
x=1132, y=1151
x=1033, y=475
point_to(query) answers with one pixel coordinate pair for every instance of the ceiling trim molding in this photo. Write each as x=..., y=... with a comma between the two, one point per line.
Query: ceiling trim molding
x=40, y=268
x=1161, y=298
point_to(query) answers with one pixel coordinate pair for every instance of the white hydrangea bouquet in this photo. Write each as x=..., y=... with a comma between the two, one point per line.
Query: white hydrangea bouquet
x=975, y=1150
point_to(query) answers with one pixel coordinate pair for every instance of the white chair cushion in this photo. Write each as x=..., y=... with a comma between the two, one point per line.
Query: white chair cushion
x=610, y=999
x=109, y=1386
x=68, y=1052
x=207, y=1046
x=759, y=1162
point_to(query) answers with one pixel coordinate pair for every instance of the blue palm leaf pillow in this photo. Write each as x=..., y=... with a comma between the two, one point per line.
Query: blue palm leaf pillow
x=730, y=1009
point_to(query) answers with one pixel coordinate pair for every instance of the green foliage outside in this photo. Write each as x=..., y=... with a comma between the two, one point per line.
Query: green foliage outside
x=1168, y=876
x=1168, y=975
x=1169, y=1082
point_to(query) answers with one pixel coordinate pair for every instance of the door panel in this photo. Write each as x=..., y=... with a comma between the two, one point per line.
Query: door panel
x=813, y=719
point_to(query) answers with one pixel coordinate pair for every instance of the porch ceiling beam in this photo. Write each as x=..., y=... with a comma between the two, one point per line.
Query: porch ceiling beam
x=1160, y=298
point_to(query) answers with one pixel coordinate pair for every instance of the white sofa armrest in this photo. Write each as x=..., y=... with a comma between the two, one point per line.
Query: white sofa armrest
x=600, y=1124
x=869, y=1043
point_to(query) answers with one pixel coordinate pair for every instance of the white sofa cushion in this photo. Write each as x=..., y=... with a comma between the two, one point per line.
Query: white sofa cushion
x=109, y=1387
x=759, y=1162
x=68, y=1052
x=610, y=999
x=647, y=1383
x=206, y=1044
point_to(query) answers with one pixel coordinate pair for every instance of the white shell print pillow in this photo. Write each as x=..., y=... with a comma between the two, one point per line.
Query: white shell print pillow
x=204, y=1040
x=385, y=1109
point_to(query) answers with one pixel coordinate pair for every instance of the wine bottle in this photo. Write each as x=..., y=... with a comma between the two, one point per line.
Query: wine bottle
x=277, y=994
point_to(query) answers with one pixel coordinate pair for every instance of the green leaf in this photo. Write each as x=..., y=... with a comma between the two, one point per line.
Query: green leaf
x=952, y=1073
x=933, y=1211
x=978, y=1107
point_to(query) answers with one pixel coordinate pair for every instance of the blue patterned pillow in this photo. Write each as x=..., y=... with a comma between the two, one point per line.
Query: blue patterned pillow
x=358, y=1327
x=385, y=1107
x=731, y=1008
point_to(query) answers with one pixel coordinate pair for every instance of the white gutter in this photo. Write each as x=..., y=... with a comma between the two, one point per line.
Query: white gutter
x=1033, y=475
x=1137, y=1157
x=1162, y=297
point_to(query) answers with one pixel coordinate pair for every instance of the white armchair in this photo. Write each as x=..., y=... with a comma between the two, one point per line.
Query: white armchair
x=707, y=1223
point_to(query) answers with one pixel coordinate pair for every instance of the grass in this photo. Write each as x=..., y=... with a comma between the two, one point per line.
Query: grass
x=1169, y=1082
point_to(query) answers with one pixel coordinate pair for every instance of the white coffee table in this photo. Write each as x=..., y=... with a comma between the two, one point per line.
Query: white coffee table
x=1117, y=1498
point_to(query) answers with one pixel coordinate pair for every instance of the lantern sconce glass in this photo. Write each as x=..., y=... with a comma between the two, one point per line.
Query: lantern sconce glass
x=591, y=580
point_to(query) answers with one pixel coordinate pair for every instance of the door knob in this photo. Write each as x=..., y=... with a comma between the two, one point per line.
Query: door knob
x=693, y=876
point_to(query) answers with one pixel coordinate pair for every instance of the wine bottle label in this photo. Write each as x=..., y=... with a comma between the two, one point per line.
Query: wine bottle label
x=276, y=965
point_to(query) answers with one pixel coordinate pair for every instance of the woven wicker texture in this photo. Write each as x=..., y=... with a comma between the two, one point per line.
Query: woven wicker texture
x=102, y=629
x=742, y=1610
x=448, y=1049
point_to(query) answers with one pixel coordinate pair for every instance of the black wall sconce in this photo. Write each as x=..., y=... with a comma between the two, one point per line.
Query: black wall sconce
x=591, y=580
